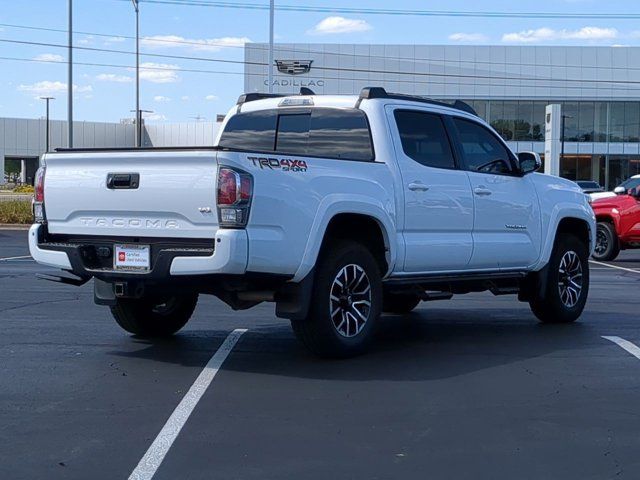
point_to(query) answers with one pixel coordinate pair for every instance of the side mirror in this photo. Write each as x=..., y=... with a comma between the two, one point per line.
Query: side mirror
x=619, y=191
x=529, y=162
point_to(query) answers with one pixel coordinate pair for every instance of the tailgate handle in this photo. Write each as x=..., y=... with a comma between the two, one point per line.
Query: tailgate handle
x=116, y=181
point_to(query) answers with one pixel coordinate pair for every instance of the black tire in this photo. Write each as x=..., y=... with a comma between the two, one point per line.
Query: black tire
x=154, y=316
x=561, y=301
x=399, y=303
x=344, y=334
x=607, y=244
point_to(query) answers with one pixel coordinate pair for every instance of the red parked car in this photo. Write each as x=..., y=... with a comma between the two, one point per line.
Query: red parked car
x=618, y=224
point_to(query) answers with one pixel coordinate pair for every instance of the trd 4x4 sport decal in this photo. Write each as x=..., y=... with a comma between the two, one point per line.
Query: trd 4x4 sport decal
x=285, y=164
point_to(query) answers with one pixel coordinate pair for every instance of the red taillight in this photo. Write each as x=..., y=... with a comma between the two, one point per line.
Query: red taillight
x=38, y=196
x=246, y=186
x=235, y=189
x=228, y=183
x=39, y=186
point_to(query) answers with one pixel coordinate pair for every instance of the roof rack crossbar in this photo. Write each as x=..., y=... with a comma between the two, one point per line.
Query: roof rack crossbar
x=379, y=92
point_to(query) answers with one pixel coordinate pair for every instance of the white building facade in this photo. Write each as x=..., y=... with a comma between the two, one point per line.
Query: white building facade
x=509, y=86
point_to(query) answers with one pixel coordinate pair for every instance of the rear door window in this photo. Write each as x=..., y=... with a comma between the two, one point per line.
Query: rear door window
x=424, y=138
x=342, y=134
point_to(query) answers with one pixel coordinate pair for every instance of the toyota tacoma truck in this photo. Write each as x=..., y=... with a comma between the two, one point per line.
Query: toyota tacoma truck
x=335, y=208
x=618, y=223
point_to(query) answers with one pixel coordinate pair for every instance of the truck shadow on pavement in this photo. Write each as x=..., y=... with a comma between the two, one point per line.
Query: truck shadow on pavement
x=424, y=345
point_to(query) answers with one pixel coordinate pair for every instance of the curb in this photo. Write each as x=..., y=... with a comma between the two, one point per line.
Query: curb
x=14, y=226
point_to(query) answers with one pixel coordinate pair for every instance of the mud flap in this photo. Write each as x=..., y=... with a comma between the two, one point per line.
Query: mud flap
x=534, y=285
x=292, y=300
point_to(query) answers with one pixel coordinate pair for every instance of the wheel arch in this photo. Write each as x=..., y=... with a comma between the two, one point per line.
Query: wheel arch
x=568, y=220
x=362, y=221
x=362, y=228
x=575, y=226
x=608, y=218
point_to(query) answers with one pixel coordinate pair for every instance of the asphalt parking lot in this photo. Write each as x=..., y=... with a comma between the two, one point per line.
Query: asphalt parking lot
x=466, y=389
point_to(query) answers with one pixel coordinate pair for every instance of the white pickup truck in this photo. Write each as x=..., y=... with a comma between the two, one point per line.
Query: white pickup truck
x=336, y=208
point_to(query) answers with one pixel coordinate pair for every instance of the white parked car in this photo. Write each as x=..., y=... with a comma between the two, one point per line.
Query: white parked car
x=631, y=182
x=336, y=208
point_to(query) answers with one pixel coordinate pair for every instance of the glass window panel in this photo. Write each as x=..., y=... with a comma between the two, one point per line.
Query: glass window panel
x=293, y=134
x=576, y=167
x=424, y=138
x=600, y=122
x=537, y=128
x=568, y=167
x=523, y=121
x=510, y=114
x=602, y=167
x=586, y=121
x=503, y=118
x=482, y=150
x=634, y=166
x=495, y=110
x=251, y=131
x=498, y=121
x=616, y=121
x=570, y=113
x=480, y=106
x=631, y=122
x=583, y=167
x=618, y=170
x=337, y=133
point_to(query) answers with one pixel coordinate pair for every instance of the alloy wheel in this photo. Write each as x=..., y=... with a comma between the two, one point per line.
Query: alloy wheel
x=570, y=279
x=602, y=242
x=350, y=300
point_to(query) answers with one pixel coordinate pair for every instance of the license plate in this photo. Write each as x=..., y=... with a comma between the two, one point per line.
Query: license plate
x=131, y=257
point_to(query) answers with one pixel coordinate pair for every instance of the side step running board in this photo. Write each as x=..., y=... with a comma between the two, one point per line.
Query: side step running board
x=75, y=281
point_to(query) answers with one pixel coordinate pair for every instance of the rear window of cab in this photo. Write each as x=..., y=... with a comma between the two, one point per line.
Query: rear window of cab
x=333, y=133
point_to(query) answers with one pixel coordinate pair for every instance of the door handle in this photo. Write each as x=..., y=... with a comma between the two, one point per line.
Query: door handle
x=482, y=191
x=418, y=187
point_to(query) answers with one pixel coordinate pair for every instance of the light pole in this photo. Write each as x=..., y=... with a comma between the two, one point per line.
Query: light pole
x=138, y=113
x=270, y=71
x=139, y=124
x=47, y=99
x=70, y=79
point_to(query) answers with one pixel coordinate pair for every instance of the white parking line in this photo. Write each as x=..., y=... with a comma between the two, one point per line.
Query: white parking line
x=147, y=467
x=14, y=258
x=615, y=266
x=632, y=348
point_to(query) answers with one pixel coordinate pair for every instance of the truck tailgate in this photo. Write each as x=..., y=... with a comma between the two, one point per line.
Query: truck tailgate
x=174, y=197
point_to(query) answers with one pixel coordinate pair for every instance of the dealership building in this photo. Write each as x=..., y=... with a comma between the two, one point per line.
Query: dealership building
x=598, y=89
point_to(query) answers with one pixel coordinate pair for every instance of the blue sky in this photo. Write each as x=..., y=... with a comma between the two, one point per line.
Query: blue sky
x=107, y=92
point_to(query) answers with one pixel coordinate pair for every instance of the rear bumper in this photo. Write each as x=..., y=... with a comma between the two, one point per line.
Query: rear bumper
x=227, y=253
x=51, y=258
